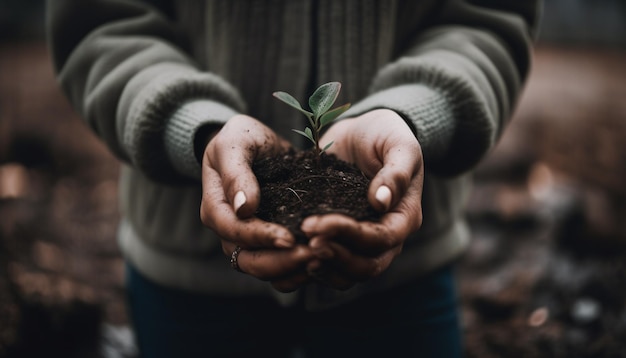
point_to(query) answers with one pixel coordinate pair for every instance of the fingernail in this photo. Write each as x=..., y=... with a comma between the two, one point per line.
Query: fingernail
x=307, y=225
x=240, y=199
x=383, y=196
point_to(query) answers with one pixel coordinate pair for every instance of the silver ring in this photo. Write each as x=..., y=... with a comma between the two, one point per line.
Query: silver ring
x=233, y=259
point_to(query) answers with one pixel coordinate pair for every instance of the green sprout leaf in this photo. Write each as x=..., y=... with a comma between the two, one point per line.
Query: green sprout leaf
x=288, y=99
x=327, y=146
x=307, y=133
x=324, y=97
x=320, y=103
x=333, y=114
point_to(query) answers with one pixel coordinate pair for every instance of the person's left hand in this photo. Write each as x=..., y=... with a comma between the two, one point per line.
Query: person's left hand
x=231, y=195
x=383, y=147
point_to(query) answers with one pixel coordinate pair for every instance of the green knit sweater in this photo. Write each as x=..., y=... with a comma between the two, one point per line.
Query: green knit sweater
x=147, y=76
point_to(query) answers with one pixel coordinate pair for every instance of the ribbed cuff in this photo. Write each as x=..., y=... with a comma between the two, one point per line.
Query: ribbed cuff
x=155, y=94
x=182, y=127
x=426, y=111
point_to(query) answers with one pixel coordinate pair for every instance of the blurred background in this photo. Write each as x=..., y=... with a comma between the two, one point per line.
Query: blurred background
x=545, y=275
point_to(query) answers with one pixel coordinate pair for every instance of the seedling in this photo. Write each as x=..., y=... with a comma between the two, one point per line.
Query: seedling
x=320, y=115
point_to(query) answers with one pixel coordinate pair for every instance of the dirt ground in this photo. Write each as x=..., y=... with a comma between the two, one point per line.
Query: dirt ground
x=545, y=275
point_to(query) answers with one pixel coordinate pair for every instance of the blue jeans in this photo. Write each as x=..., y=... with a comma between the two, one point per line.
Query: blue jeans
x=419, y=319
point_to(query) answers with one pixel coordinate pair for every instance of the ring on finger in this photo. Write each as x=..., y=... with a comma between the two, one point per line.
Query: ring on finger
x=234, y=257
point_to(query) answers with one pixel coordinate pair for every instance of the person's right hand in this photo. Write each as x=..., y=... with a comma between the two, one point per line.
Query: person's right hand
x=231, y=195
x=381, y=144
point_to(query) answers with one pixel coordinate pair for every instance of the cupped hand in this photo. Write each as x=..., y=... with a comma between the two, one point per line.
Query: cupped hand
x=231, y=195
x=383, y=147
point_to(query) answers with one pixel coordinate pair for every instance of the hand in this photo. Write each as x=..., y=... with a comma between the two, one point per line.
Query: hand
x=382, y=145
x=231, y=195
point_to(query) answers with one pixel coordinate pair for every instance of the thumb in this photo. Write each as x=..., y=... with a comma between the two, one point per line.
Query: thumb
x=400, y=165
x=234, y=173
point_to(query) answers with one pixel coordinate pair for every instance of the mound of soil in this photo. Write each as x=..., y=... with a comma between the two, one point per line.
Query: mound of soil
x=297, y=184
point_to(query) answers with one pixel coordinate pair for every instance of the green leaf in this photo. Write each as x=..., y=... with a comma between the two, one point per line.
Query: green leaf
x=332, y=115
x=290, y=100
x=324, y=97
x=327, y=146
x=306, y=134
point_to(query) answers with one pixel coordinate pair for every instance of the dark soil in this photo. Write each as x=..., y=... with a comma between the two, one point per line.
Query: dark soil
x=296, y=185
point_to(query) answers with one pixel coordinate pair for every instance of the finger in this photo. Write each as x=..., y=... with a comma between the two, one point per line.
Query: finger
x=232, y=160
x=323, y=273
x=367, y=238
x=268, y=265
x=240, y=142
x=346, y=266
x=219, y=215
x=238, y=179
x=402, y=162
x=407, y=217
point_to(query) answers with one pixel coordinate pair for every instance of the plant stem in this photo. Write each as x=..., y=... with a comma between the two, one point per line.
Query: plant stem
x=316, y=136
x=318, y=150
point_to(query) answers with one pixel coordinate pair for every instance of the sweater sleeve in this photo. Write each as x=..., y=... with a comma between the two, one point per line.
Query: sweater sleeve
x=124, y=67
x=456, y=83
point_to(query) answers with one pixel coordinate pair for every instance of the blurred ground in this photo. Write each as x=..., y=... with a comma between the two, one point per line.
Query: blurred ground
x=546, y=272
x=545, y=275
x=60, y=271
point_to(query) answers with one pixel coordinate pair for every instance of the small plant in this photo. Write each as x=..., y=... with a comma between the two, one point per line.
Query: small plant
x=320, y=102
